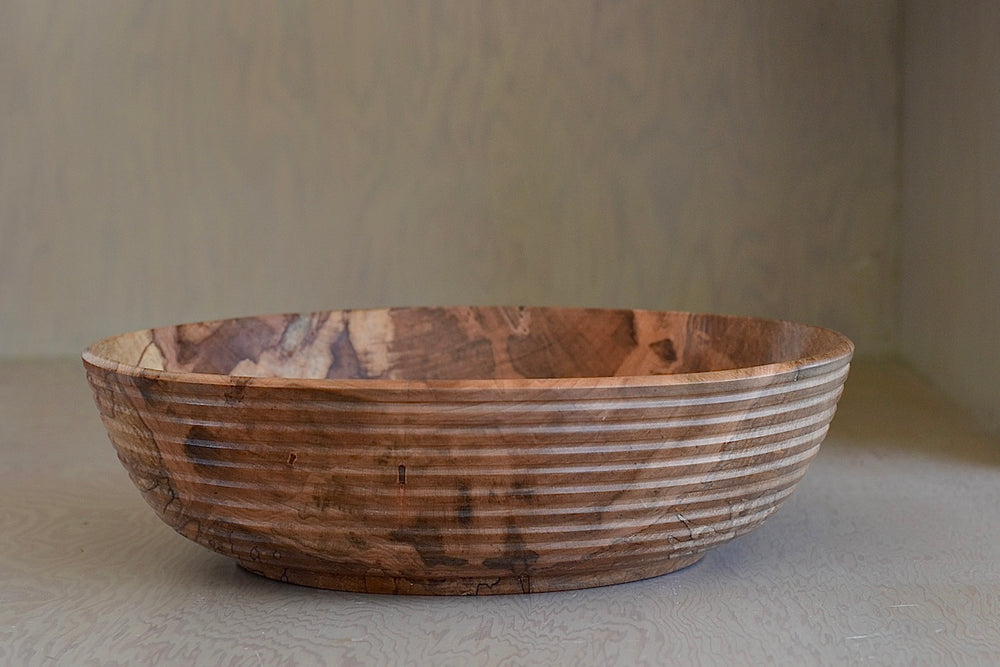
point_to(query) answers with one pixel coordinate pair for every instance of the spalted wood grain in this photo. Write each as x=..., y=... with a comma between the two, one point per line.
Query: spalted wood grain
x=468, y=450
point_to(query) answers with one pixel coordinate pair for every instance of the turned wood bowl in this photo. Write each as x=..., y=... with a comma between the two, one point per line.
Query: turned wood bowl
x=468, y=450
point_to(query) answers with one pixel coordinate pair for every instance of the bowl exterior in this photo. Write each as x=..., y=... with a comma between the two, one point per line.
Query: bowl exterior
x=449, y=489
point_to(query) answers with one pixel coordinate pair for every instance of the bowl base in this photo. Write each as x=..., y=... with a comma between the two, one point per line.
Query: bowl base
x=523, y=583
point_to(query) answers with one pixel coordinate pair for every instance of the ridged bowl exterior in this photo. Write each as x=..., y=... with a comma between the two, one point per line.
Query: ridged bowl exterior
x=467, y=488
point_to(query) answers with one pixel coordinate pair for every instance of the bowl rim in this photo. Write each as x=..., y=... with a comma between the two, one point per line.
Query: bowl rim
x=842, y=350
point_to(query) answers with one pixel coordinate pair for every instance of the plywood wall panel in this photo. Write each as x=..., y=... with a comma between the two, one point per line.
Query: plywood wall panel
x=950, y=294
x=168, y=162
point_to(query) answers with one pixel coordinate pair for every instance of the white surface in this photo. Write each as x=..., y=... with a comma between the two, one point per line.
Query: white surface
x=888, y=552
x=950, y=288
x=166, y=162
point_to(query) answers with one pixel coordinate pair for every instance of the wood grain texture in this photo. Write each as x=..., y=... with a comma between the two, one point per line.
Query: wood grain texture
x=468, y=450
x=883, y=555
x=172, y=162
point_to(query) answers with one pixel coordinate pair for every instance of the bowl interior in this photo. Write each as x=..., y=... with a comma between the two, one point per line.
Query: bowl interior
x=471, y=343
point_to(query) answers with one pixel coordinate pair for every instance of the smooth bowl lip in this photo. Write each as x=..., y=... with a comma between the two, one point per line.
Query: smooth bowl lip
x=842, y=350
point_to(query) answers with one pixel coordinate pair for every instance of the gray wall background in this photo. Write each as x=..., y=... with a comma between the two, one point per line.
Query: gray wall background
x=169, y=162
x=949, y=314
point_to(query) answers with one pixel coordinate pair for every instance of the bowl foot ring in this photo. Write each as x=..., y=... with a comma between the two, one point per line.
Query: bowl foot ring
x=458, y=585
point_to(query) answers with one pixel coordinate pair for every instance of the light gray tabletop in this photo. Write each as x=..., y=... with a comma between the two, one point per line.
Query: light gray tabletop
x=888, y=552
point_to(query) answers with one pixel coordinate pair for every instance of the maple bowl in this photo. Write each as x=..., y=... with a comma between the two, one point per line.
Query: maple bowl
x=468, y=450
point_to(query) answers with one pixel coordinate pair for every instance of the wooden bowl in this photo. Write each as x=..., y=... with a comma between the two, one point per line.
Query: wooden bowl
x=468, y=450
